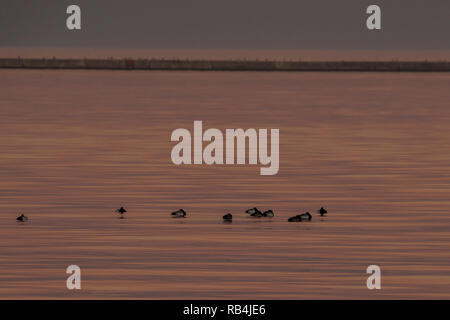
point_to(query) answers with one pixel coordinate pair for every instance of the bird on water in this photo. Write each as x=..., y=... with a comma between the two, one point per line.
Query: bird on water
x=254, y=212
x=228, y=217
x=301, y=217
x=322, y=211
x=179, y=214
x=268, y=213
x=121, y=210
x=22, y=218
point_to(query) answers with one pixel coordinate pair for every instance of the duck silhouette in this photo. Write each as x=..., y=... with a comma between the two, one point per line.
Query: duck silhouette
x=22, y=218
x=121, y=210
x=179, y=214
x=295, y=219
x=322, y=211
x=254, y=212
x=228, y=217
x=301, y=217
x=268, y=213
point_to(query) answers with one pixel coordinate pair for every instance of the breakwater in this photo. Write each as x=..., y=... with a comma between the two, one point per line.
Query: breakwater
x=225, y=65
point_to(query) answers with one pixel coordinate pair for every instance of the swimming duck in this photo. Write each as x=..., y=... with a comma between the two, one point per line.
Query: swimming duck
x=22, y=218
x=268, y=213
x=121, y=210
x=228, y=217
x=179, y=214
x=301, y=217
x=322, y=211
x=295, y=219
x=254, y=212
x=305, y=216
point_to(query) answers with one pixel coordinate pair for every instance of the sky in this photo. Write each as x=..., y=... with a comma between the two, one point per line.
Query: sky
x=231, y=24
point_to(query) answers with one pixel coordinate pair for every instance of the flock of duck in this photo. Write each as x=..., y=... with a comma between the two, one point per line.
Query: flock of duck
x=253, y=212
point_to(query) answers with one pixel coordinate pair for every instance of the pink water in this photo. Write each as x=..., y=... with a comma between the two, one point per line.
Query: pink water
x=372, y=148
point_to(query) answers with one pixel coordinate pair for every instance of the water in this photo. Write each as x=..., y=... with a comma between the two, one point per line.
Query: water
x=370, y=147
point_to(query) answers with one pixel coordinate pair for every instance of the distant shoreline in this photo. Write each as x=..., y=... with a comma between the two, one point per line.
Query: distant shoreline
x=224, y=65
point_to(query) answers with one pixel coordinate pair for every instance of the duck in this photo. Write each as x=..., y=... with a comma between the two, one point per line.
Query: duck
x=268, y=213
x=301, y=217
x=295, y=219
x=305, y=216
x=179, y=214
x=121, y=210
x=228, y=217
x=22, y=218
x=254, y=212
x=322, y=211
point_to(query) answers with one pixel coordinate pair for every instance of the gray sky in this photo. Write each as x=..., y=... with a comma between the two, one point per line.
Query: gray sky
x=231, y=24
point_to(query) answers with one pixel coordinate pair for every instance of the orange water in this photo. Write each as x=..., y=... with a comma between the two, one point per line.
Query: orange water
x=370, y=147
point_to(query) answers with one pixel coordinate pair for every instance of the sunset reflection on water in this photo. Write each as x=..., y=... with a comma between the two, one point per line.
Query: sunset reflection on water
x=370, y=147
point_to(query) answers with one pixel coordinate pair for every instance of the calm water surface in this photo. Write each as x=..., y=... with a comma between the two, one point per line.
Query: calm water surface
x=373, y=148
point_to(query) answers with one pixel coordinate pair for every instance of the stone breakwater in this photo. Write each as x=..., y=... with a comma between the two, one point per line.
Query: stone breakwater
x=224, y=65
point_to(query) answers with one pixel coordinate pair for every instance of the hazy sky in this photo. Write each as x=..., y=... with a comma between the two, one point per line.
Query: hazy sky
x=232, y=24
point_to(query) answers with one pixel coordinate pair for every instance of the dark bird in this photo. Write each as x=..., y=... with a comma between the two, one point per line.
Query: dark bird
x=254, y=212
x=228, y=217
x=301, y=217
x=306, y=216
x=322, y=211
x=295, y=219
x=22, y=218
x=121, y=210
x=179, y=214
x=268, y=213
